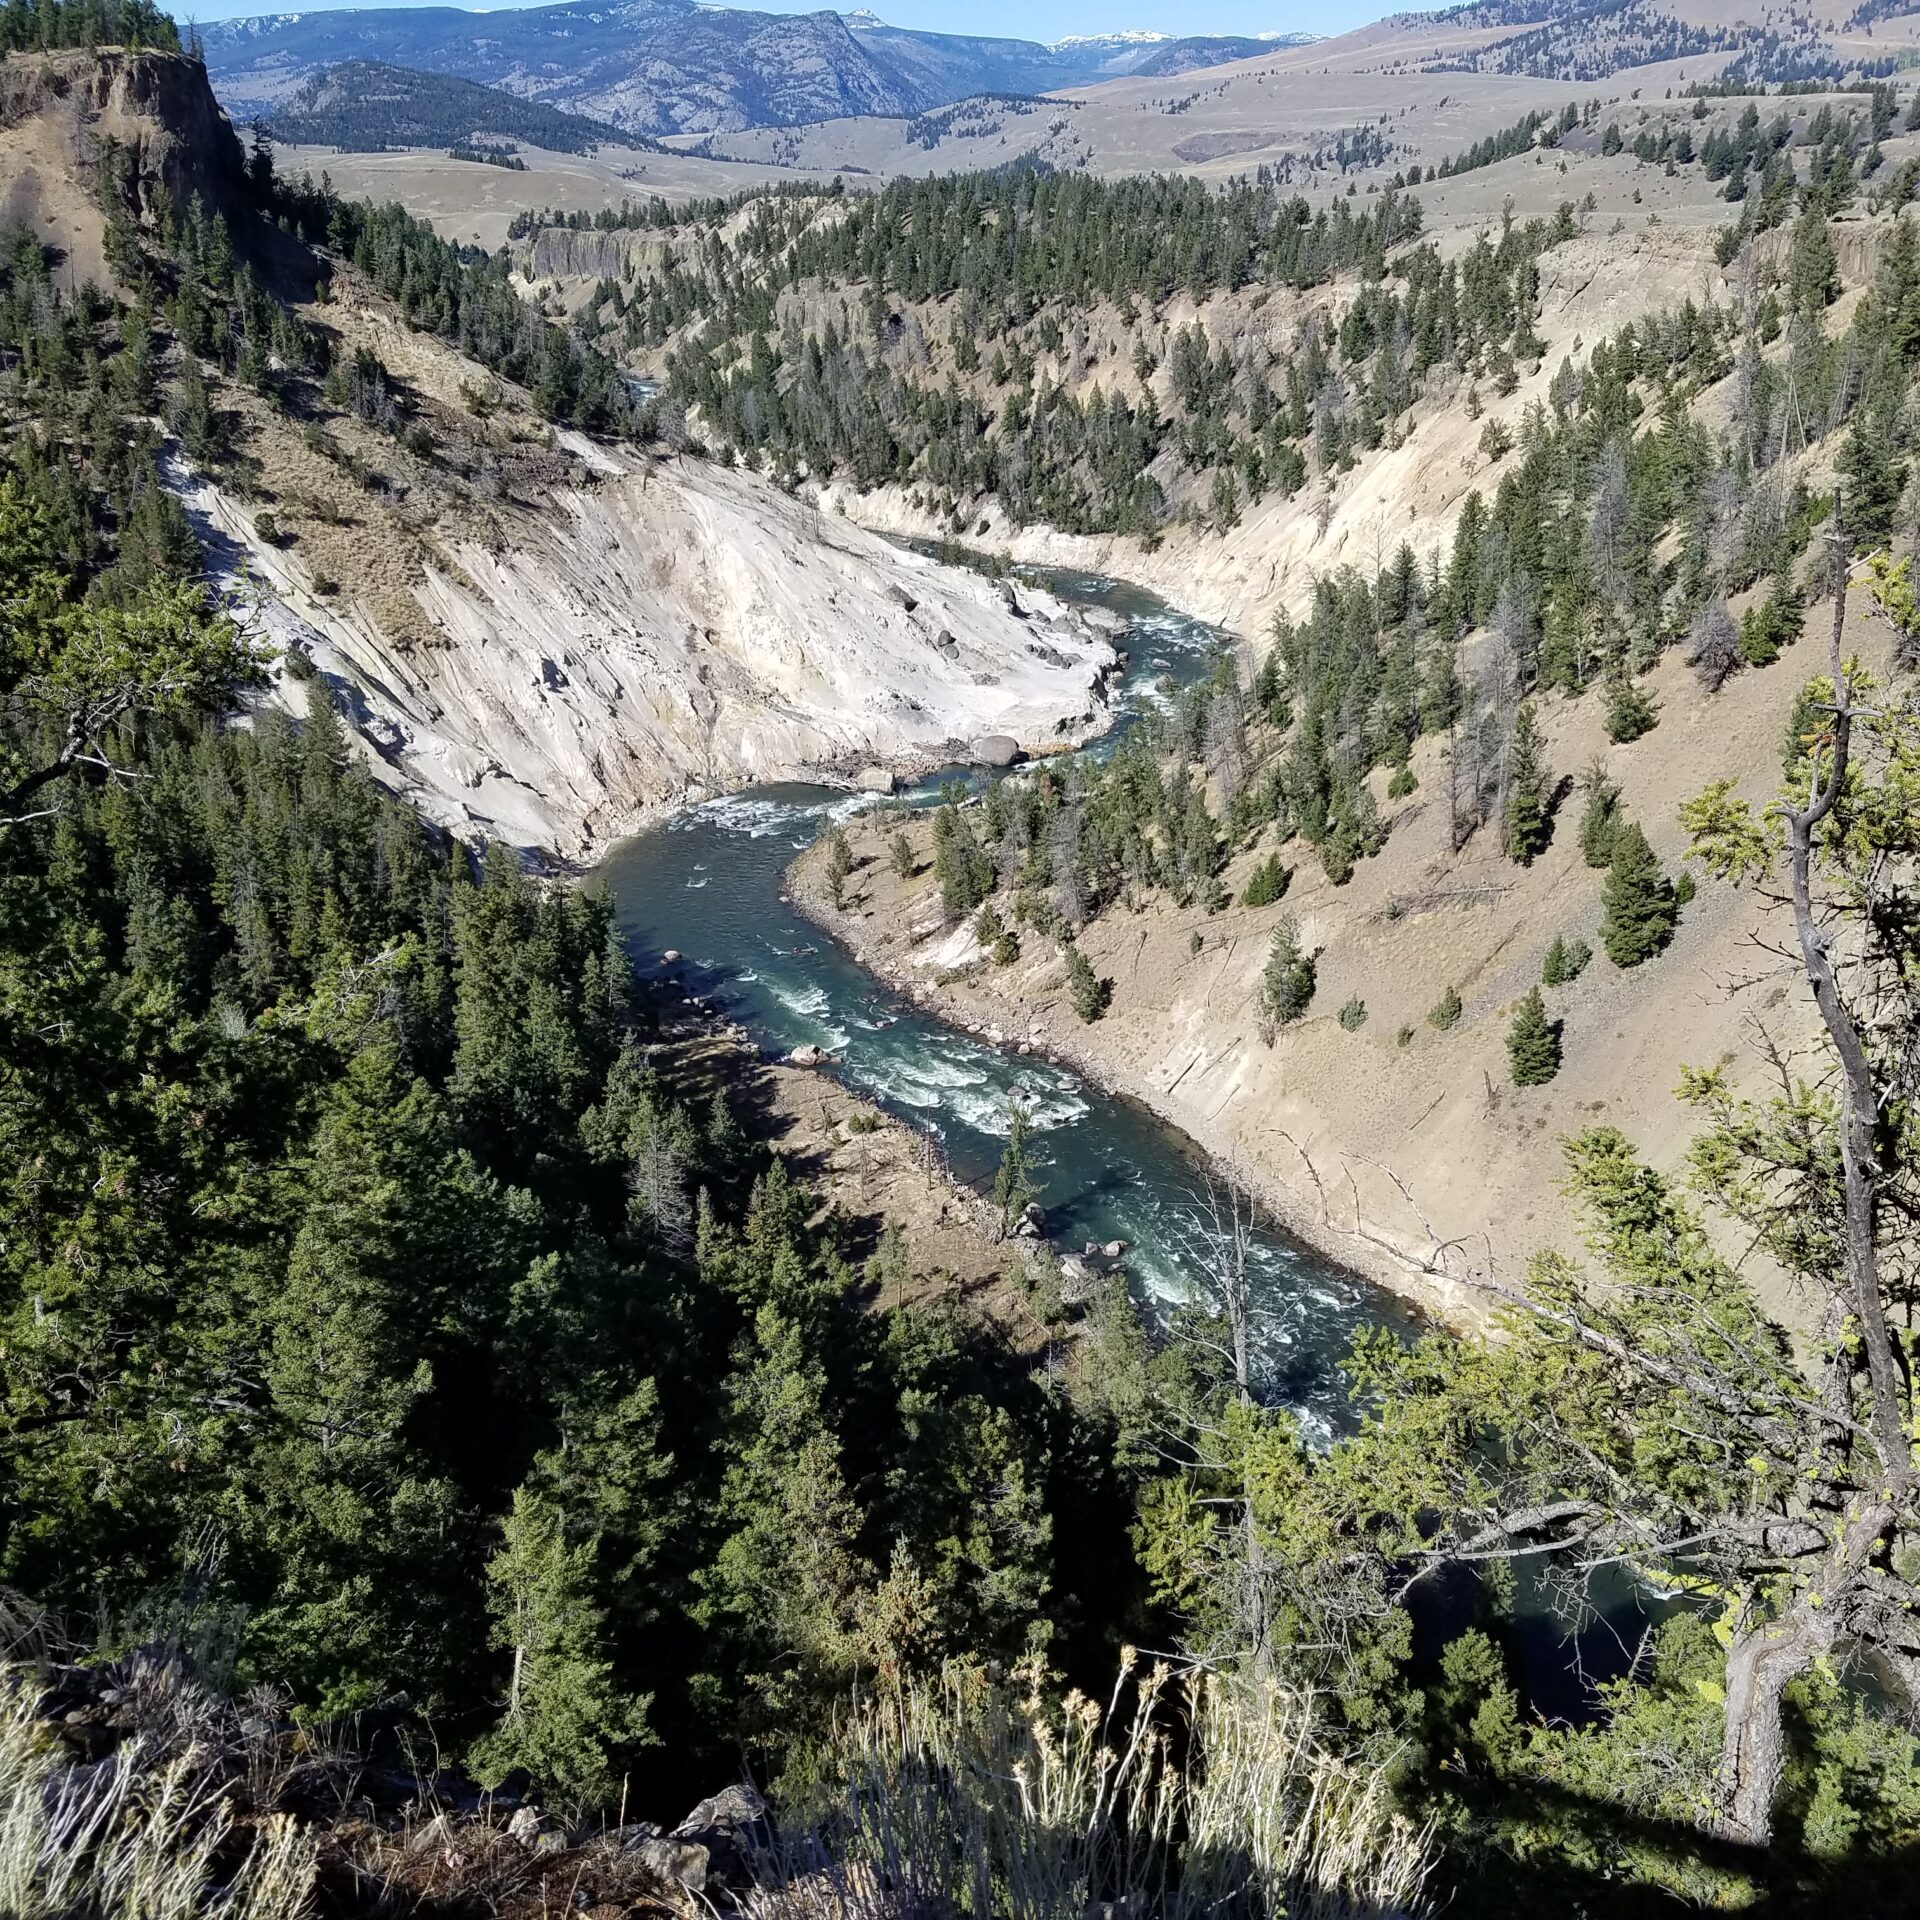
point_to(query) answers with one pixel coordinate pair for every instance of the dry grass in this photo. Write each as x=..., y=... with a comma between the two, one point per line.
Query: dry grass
x=148, y=1831
x=1181, y=1796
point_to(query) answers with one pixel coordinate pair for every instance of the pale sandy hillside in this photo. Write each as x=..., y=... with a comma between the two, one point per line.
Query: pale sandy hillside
x=1396, y=1147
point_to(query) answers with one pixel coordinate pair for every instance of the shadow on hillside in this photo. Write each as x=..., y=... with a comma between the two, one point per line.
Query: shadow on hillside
x=1784, y=1883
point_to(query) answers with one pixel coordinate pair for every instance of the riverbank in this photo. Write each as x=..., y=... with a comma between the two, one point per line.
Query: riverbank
x=1392, y=1142
x=864, y=1166
x=890, y=930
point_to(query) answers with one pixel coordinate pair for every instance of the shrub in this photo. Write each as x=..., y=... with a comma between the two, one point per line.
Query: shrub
x=1268, y=883
x=1566, y=960
x=1533, y=1043
x=1444, y=1015
x=1353, y=1015
x=1402, y=783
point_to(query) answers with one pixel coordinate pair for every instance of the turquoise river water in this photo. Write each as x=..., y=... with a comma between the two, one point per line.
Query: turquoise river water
x=709, y=885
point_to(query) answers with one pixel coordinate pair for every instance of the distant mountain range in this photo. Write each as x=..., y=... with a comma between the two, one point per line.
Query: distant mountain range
x=678, y=66
x=364, y=106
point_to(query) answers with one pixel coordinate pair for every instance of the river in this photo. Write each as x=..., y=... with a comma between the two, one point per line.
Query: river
x=709, y=883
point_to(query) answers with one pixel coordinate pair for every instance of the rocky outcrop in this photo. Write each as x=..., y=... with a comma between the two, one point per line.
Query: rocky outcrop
x=155, y=109
x=661, y=631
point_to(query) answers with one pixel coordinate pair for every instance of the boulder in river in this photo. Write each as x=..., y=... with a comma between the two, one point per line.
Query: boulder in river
x=806, y=1056
x=996, y=750
x=671, y=957
x=875, y=780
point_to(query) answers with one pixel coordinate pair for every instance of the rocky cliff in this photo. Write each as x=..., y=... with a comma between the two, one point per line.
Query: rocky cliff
x=61, y=114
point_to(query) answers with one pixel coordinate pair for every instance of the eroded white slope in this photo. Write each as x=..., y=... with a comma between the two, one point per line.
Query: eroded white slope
x=662, y=631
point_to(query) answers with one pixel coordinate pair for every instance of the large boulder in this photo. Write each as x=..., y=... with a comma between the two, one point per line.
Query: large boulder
x=875, y=780
x=734, y=1828
x=996, y=750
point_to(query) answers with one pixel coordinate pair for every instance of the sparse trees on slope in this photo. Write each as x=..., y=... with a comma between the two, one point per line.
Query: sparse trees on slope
x=1533, y=1043
x=1640, y=909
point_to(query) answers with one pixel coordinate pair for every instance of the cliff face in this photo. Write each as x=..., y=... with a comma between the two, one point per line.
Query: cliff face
x=61, y=114
x=534, y=636
x=654, y=632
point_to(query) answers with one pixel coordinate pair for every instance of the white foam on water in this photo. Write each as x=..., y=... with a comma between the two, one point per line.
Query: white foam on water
x=989, y=1110
x=810, y=1003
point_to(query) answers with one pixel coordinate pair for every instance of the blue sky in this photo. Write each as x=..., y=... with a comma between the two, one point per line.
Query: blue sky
x=1021, y=19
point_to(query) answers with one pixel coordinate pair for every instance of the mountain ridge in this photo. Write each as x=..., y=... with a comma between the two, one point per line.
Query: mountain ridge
x=655, y=67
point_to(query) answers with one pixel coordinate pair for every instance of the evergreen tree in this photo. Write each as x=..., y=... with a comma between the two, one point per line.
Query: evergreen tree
x=1630, y=711
x=1875, y=478
x=1640, y=910
x=1088, y=993
x=1267, y=883
x=1527, y=826
x=1287, y=982
x=1013, y=1178
x=839, y=864
x=1600, y=818
x=1533, y=1043
x=1566, y=960
x=965, y=873
x=1444, y=1014
x=565, y=1720
x=1813, y=273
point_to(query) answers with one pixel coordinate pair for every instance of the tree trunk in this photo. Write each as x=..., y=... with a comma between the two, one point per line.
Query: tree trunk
x=1753, y=1748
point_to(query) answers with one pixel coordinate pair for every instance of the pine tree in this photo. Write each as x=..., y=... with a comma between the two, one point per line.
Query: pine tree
x=965, y=873
x=1086, y=990
x=565, y=1721
x=1013, y=1179
x=1600, y=818
x=1630, y=712
x=1444, y=1015
x=1640, y=910
x=1267, y=883
x=839, y=866
x=1876, y=477
x=1287, y=983
x=1566, y=960
x=1527, y=826
x=1813, y=274
x=901, y=854
x=1533, y=1043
